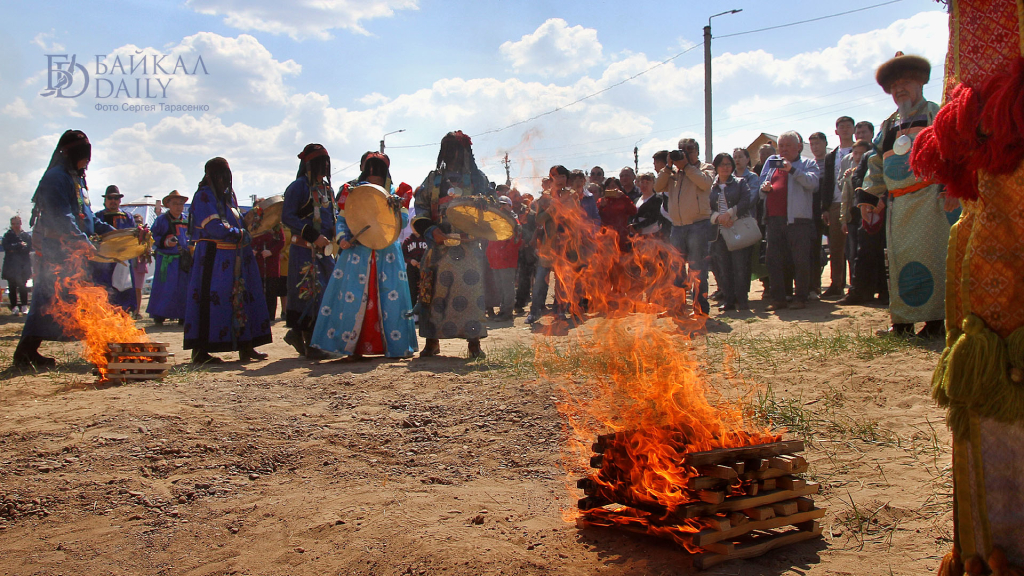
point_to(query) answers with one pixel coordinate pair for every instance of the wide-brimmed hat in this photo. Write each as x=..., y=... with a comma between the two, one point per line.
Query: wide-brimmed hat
x=903, y=66
x=173, y=195
x=112, y=192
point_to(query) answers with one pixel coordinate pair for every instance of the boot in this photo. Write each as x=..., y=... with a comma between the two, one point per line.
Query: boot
x=474, y=349
x=200, y=356
x=27, y=355
x=933, y=329
x=249, y=354
x=313, y=353
x=431, y=348
x=294, y=339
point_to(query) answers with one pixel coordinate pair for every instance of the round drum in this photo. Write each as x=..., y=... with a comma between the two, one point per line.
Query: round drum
x=122, y=245
x=264, y=215
x=370, y=218
x=481, y=217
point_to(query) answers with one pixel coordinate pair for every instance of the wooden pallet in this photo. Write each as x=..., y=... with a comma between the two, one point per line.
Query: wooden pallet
x=135, y=361
x=769, y=509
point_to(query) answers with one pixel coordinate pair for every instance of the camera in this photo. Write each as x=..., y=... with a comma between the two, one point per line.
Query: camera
x=677, y=155
x=775, y=162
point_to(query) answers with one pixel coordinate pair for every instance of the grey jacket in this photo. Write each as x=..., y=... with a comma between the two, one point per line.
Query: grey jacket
x=803, y=182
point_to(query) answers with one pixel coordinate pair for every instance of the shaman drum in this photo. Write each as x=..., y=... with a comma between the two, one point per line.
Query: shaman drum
x=480, y=217
x=264, y=215
x=122, y=245
x=370, y=218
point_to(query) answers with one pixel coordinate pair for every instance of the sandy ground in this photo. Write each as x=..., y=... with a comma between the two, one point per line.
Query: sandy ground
x=440, y=466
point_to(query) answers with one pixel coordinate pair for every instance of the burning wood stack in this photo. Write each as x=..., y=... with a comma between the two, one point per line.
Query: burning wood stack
x=737, y=502
x=134, y=361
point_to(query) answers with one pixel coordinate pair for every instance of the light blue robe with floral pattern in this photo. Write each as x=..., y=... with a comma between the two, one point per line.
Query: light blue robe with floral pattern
x=345, y=300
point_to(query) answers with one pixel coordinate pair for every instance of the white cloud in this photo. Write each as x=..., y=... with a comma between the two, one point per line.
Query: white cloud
x=17, y=109
x=41, y=41
x=303, y=18
x=554, y=50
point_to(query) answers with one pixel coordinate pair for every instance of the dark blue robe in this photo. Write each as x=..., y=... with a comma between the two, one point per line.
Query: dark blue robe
x=212, y=323
x=170, y=284
x=297, y=215
x=65, y=222
x=103, y=272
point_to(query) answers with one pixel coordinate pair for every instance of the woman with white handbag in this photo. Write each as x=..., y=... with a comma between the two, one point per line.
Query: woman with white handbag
x=735, y=232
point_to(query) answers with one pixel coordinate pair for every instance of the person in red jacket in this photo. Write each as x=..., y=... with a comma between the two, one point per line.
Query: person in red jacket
x=503, y=259
x=616, y=210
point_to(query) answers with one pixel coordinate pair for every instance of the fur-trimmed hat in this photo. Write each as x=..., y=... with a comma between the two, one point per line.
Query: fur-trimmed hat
x=903, y=66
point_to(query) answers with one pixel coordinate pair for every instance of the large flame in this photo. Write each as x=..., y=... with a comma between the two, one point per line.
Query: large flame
x=84, y=311
x=631, y=372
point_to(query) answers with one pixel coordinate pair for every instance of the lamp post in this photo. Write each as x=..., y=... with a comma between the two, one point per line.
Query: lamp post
x=385, y=136
x=707, y=83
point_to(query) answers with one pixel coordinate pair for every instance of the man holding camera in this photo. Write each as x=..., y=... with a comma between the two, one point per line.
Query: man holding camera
x=788, y=183
x=689, y=210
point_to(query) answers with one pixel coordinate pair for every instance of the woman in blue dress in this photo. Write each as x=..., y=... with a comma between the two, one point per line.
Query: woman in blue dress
x=62, y=221
x=225, y=310
x=367, y=308
x=170, y=280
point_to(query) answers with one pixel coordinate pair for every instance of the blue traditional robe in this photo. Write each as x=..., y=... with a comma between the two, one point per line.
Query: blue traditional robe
x=65, y=222
x=170, y=284
x=103, y=272
x=346, y=300
x=225, y=311
x=304, y=295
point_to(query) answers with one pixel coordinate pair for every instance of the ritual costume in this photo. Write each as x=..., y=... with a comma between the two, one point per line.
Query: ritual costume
x=452, y=281
x=310, y=215
x=172, y=266
x=976, y=148
x=17, y=269
x=225, y=310
x=62, y=222
x=917, y=227
x=117, y=277
x=367, y=308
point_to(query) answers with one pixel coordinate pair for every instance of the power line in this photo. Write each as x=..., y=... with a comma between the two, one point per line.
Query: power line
x=807, y=21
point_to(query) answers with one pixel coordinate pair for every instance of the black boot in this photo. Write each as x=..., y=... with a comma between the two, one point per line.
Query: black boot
x=294, y=339
x=249, y=354
x=200, y=356
x=933, y=329
x=313, y=353
x=474, y=349
x=27, y=355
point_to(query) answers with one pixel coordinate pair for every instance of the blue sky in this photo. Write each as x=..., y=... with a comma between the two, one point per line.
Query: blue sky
x=343, y=73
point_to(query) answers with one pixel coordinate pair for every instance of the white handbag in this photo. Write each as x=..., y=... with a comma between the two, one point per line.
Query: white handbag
x=122, y=279
x=743, y=233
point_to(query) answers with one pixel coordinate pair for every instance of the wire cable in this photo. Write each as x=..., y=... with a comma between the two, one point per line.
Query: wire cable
x=819, y=18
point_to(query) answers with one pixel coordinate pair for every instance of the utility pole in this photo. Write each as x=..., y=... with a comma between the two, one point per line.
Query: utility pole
x=636, y=158
x=508, y=167
x=707, y=84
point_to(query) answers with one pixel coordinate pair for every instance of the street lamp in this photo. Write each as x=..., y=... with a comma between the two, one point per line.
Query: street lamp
x=707, y=83
x=385, y=136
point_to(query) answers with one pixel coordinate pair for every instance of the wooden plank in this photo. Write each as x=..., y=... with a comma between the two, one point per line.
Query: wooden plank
x=142, y=346
x=721, y=547
x=804, y=504
x=717, y=523
x=739, y=467
x=711, y=497
x=787, y=508
x=708, y=536
x=767, y=484
x=758, y=547
x=781, y=463
x=791, y=483
x=738, y=519
x=705, y=483
x=117, y=377
x=591, y=502
x=760, y=513
x=142, y=354
x=772, y=473
x=742, y=453
x=759, y=465
x=597, y=461
x=718, y=471
x=743, y=502
x=138, y=366
x=752, y=488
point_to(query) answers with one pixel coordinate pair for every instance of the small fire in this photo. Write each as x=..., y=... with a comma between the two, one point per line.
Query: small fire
x=85, y=312
x=632, y=371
